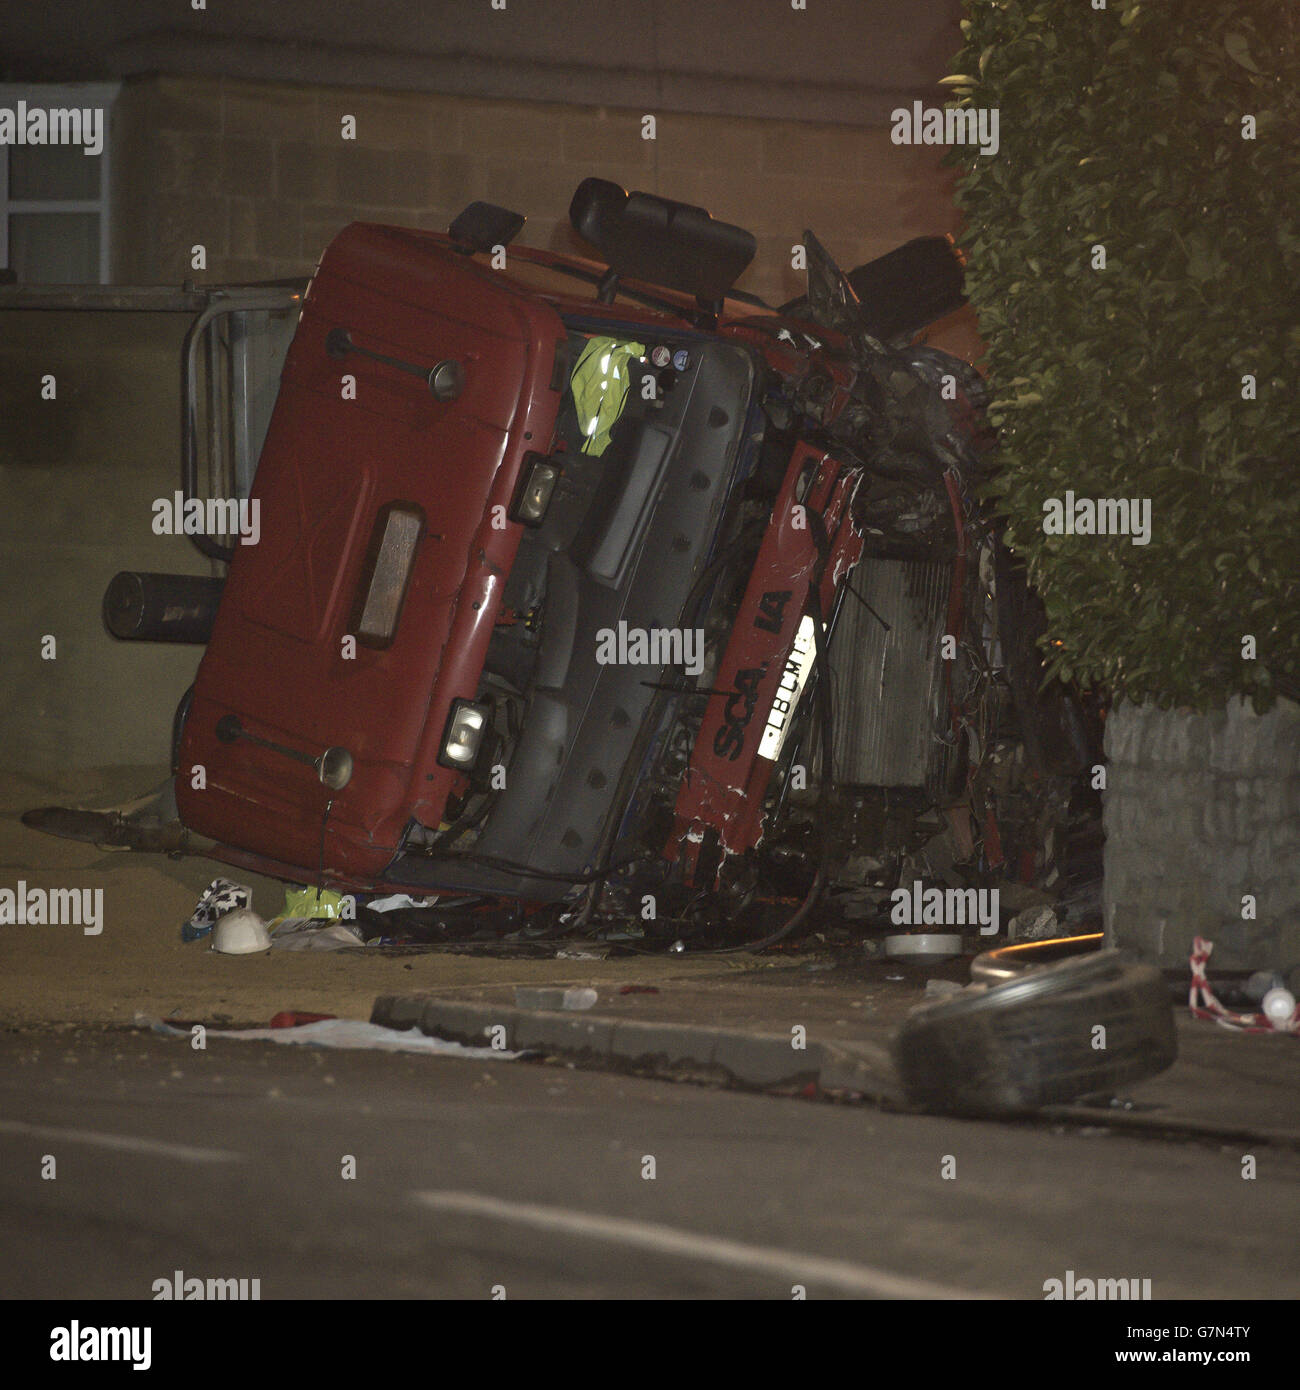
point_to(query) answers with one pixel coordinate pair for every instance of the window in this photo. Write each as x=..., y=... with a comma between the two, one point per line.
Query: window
x=54, y=186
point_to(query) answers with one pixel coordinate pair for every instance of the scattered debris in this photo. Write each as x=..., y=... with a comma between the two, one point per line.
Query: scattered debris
x=312, y=904
x=344, y=1033
x=398, y=901
x=241, y=933
x=1017, y=897
x=1034, y=924
x=219, y=897
x=1279, y=1012
x=553, y=997
x=307, y=934
x=942, y=989
x=147, y=825
x=620, y=932
x=927, y=947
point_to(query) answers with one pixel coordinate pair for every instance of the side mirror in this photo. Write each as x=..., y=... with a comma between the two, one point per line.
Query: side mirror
x=654, y=239
x=912, y=286
x=484, y=225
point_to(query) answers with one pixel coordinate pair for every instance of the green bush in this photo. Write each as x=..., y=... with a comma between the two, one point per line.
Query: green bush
x=1123, y=127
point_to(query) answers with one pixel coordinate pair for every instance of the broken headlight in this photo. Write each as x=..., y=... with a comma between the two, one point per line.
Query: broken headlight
x=534, y=495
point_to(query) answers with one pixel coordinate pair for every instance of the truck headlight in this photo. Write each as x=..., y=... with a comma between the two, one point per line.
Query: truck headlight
x=464, y=735
x=534, y=496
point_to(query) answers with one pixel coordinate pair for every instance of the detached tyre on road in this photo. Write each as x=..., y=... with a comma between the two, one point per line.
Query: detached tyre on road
x=1058, y=1032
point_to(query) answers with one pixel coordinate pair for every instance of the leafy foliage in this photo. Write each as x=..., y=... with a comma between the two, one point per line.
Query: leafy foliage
x=1123, y=128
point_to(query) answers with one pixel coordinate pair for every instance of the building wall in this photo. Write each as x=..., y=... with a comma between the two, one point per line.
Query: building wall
x=259, y=174
x=1200, y=811
x=78, y=478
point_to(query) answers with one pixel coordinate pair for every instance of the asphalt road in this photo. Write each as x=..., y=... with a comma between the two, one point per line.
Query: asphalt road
x=531, y=1179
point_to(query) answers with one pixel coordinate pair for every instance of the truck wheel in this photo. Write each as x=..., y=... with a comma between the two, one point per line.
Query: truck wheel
x=1059, y=1032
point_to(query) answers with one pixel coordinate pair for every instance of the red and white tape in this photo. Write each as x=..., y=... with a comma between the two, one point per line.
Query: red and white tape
x=1209, y=1007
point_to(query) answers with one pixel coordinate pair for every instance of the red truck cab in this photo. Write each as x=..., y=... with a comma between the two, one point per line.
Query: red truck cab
x=543, y=575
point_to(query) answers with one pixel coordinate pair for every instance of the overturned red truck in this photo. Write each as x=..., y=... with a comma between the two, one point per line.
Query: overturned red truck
x=586, y=584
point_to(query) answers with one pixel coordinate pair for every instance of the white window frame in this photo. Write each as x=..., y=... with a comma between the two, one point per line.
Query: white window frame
x=48, y=95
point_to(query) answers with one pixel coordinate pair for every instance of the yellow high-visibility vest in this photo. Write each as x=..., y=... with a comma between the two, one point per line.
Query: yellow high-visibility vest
x=599, y=384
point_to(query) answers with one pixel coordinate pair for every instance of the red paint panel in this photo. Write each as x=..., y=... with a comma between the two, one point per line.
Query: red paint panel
x=276, y=658
x=724, y=786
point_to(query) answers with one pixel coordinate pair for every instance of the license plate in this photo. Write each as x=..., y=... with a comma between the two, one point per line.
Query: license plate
x=797, y=666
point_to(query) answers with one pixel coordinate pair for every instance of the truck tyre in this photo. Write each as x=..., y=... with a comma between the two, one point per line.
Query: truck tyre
x=1012, y=1048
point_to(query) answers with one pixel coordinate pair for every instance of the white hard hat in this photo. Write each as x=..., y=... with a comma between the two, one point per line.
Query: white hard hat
x=240, y=933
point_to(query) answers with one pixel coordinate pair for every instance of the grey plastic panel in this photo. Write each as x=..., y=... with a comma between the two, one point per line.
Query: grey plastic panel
x=612, y=555
x=562, y=603
x=561, y=782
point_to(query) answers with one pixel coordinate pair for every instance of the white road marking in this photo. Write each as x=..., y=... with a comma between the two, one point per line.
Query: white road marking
x=126, y=1142
x=786, y=1265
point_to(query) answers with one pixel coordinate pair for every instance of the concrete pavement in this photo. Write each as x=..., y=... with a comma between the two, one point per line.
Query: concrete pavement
x=826, y=1028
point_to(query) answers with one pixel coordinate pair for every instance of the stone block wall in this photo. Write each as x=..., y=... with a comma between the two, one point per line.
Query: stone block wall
x=79, y=476
x=260, y=175
x=1201, y=811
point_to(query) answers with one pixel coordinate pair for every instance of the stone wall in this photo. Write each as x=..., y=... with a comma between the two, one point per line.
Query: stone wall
x=259, y=174
x=78, y=477
x=1201, y=810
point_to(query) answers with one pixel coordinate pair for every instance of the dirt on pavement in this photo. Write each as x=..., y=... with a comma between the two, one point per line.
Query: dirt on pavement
x=138, y=964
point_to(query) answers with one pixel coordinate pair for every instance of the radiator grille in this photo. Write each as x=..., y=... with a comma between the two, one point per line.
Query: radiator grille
x=888, y=687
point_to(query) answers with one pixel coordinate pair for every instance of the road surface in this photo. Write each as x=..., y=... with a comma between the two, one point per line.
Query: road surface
x=476, y=1179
